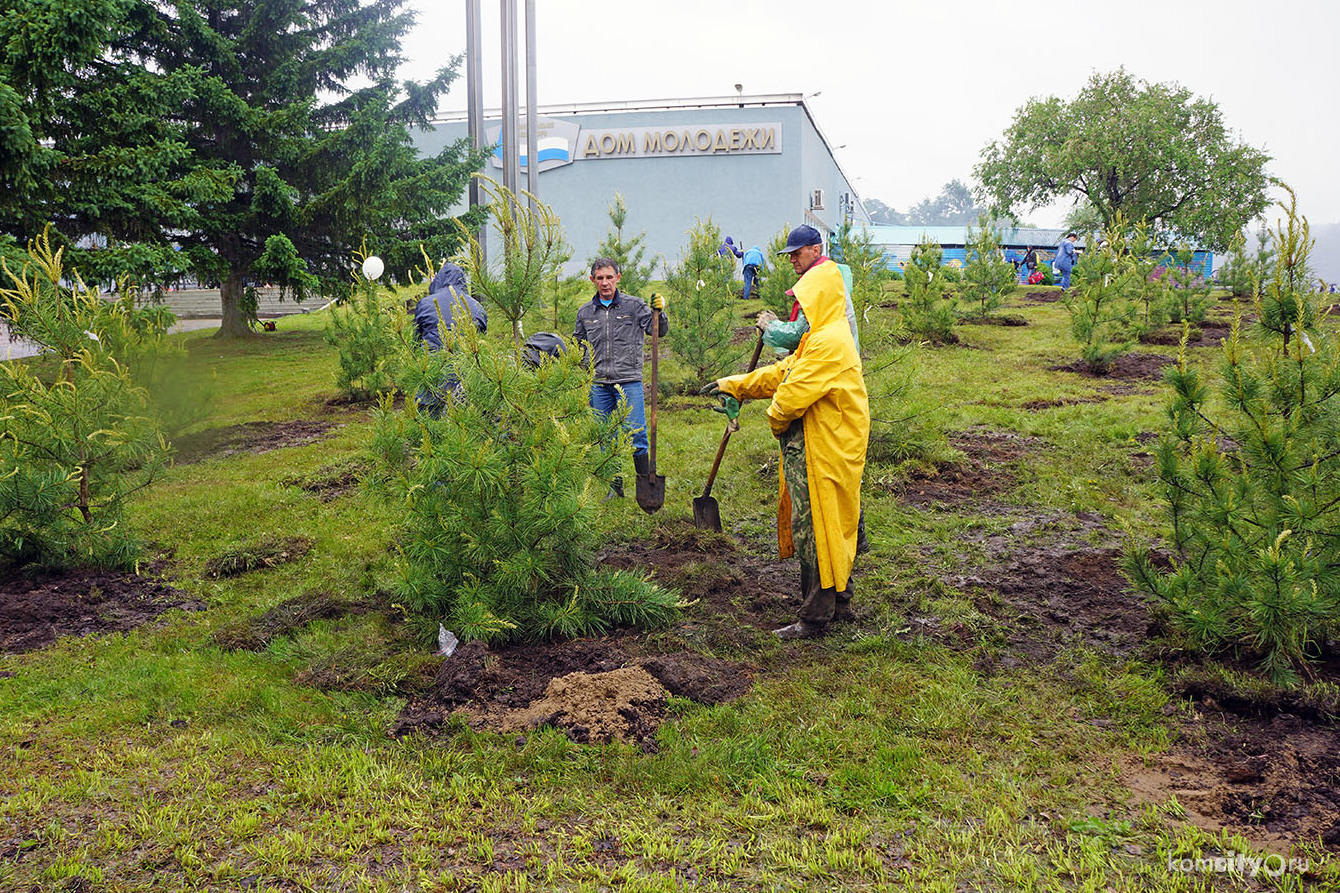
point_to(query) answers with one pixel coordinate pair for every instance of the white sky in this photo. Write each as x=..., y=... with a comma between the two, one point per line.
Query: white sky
x=910, y=92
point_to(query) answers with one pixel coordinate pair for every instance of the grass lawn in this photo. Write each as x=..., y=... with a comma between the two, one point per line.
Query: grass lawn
x=994, y=715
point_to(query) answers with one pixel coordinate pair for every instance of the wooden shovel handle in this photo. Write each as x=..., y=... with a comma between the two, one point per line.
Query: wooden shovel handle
x=731, y=426
x=655, y=389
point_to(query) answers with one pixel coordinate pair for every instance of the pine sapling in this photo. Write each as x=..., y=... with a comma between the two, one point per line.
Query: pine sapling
x=702, y=286
x=1252, y=482
x=626, y=251
x=77, y=436
x=988, y=278
x=928, y=305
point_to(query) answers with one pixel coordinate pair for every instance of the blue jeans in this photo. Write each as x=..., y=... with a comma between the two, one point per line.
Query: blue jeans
x=1065, y=277
x=605, y=399
x=750, y=271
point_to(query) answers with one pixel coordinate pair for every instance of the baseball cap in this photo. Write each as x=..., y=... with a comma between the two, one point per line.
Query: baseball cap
x=800, y=237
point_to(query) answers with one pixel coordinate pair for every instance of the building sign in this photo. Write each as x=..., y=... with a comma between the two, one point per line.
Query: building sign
x=561, y=142
x=556, y=143
x=681, y=139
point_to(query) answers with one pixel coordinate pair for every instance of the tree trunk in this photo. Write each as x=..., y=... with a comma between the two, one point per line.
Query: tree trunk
x=234, y=324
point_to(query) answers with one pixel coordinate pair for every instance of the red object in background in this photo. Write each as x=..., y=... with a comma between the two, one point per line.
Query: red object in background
x=268, y=325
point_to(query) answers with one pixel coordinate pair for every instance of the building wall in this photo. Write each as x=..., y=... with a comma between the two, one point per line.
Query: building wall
x=750, y=196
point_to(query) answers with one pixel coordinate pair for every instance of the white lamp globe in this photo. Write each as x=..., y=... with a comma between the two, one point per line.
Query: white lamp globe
x=373, y=267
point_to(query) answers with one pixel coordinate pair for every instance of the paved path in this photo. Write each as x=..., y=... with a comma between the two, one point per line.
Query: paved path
x=11, y=349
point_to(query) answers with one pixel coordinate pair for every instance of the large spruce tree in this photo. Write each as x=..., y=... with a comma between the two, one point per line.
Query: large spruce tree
x=222, y=139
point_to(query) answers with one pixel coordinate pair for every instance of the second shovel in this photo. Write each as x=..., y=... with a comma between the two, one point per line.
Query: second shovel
x=706, y=512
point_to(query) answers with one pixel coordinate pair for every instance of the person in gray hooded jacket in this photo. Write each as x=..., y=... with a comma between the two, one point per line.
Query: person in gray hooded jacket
x=435, y=313
x=612, y=326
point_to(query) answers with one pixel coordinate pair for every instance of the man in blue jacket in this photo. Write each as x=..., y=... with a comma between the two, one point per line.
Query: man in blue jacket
x=1065, y=258
x=753, y=261
x=613, y=325
x=435, y=313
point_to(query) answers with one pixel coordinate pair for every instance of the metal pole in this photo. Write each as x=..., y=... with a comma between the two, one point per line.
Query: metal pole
x=474, y=86
x=532, y=113
x=511, y=163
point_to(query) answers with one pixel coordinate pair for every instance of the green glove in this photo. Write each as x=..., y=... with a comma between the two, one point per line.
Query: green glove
x=657, y=301
x=785, y=335
x=730, y=406
x=711, y=389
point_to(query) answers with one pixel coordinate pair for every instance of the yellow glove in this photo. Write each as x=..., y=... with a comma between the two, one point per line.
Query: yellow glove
x=657, y=302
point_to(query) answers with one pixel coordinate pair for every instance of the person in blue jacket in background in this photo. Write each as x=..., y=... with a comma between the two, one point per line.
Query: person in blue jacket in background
x=753, y=261
x=1065, y=258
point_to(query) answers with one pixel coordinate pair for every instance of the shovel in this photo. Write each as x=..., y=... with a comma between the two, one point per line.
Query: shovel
x=651, y=487
x=706, y=512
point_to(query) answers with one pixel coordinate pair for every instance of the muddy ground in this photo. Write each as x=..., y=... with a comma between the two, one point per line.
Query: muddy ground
x=1127, y=367
x=249, y=437
x=36, y=609
x=1049, y=581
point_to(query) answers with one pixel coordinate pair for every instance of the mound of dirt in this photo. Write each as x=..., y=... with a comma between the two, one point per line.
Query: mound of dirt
x=250, y=437
x=596, y=708
x=37, y=609
x=598, y=690
x=1042, y=297
x=734, y=601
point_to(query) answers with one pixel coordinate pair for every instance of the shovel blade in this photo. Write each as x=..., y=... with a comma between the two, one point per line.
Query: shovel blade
x=650, y=492
x=706, y=513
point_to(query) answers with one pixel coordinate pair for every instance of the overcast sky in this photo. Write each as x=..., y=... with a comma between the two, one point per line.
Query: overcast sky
x=908, y=93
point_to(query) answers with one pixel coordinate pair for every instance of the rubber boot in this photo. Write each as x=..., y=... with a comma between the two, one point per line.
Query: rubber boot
x=616, y=488
x=642, y=463
x=862, y=544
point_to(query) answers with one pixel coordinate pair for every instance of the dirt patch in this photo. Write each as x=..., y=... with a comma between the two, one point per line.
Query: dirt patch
x=1039, y=404
x=735, y=600
x=37, y=609
x=1042, y=297
x=1273, y=780
x=1049, y=582
x=990, y=465
x=1206, y=334
x=1129, y=366
x=1003, y=319
x=1052, y=597
x=251, y=437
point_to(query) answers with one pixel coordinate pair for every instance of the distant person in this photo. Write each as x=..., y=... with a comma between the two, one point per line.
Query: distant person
x=1030, y=263
x=728, y=249
x=447, y=295
x=1065, y=258
x=612, y=326
x=753, y=262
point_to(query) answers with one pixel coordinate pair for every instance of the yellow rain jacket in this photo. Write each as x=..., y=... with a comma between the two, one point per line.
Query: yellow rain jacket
x=821, y=384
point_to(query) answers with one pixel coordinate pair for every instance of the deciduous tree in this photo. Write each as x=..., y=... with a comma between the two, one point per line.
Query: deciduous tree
x=1150, y=151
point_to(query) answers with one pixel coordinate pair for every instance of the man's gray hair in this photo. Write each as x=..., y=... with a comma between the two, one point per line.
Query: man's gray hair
x=603, y=262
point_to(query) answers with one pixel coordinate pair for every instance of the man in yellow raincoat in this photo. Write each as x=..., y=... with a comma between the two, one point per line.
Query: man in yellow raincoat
x=820, y=415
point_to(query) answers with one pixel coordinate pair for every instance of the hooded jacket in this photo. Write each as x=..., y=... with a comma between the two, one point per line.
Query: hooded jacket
x=446, y=292
x=821, y=384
